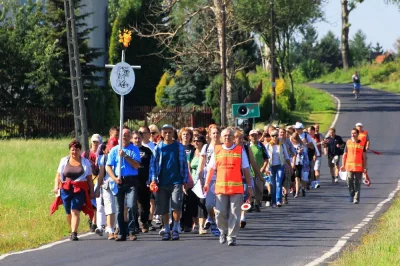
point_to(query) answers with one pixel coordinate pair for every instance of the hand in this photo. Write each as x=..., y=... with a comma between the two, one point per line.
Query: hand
x=342, y=168
x=55, y=190
x=365, y=170
x=205, y=188
x=91, y=194
x=121, y=153
x=97, y=193
x=314, y=158
x=250, y=192
x=267, y=172
x=118, y=181
x=337, y=146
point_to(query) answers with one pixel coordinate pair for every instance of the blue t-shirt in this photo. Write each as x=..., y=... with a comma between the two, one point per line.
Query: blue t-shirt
x=169, y=171
x=126, y=169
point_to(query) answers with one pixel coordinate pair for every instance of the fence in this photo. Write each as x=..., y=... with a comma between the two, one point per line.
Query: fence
x=42, y=122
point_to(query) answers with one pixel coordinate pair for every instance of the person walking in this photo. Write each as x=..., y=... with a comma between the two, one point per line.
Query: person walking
x=356, y=85
x=355, y=163
x=333, y=149
x=127, y=183
x=169, y=168
x=363, y=136
x=227, y=161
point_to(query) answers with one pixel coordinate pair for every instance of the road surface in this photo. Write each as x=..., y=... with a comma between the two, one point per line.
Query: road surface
x=296, y=234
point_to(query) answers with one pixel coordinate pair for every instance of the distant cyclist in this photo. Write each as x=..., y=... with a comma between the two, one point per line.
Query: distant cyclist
x=356, y=85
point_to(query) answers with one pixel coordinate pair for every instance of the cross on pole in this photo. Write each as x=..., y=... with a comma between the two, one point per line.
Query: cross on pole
x=125, y=84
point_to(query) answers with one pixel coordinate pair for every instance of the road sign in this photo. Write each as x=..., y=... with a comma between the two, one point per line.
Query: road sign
x=245, y=110
x=122, y=78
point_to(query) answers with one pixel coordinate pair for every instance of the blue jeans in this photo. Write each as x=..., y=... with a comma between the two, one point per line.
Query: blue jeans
x=276, y=183
x=128, y=190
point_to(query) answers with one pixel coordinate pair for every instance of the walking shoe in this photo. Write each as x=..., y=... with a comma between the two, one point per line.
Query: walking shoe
x=74, y=236
x=93, y=228
x=296, y=195
x=203, y=232
x=222, y=239
x=195, y=229
x=214, y=230
x=120, y=238
x=175, y=235
x=136, y=231
x=157, y=219
x=317, y=185
x=273, y=205
x=267, y=203
x=336, y=180
x=257, y=208
x=279, y=204
x=355, y=201
x=242, y=224
x=99, y=231
x=291, y=191
x=303, y=193
x=132, y=237
x=187, y=229
x=152, y=228
x=285, y=201
x=232, y=242
x=166, y=236
x=145, y=228
x=207, y=224
x=162, y=232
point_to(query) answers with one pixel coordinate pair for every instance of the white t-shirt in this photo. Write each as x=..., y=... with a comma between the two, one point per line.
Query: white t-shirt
x=309, y=140
x=208, y=154
x=149, y=145
x=275, y=154
x=245, y=160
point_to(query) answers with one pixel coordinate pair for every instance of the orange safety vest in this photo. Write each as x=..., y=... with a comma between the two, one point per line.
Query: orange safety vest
x=229, y=165
x=362, y=136
x=354, y=161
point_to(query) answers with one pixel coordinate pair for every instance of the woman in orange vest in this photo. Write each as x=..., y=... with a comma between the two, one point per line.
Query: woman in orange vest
x=227, y=161
x=363, y=136
x=355, y=163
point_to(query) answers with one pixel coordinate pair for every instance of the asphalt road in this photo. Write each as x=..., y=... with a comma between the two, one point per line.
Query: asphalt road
x=296, y=234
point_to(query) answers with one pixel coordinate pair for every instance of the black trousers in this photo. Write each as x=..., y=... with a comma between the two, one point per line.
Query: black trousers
x=189, y=208
x=144, y=200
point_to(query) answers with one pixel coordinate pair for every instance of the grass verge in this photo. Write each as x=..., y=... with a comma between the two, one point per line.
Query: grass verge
x=313, y=106
x=27, y=172
x=380, y=246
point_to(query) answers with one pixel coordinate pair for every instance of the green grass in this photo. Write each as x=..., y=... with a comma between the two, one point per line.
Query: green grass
x=27, y=172
x=381, y=246
x=313, y=106
x=378, y=76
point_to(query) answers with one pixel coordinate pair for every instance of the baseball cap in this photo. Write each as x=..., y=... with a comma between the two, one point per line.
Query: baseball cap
x=359, y=124
x=166, y=126
x=253, y=131
x=298, y=125
x=96, y=137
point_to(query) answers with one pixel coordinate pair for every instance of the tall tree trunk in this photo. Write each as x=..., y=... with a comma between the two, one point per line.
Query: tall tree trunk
x=345, y=34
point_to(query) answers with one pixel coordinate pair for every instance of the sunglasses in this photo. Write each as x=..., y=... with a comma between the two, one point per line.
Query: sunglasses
x=196, y=140
x=274, y=136
x=143, y=132
x=153, y=133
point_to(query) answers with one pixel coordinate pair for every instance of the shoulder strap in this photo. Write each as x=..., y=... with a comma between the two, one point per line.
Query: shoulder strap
x=207, y=145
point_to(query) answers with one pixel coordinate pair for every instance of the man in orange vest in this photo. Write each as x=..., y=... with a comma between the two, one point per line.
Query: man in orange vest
x=355, y=163
x=229, y=160
x=363, y=136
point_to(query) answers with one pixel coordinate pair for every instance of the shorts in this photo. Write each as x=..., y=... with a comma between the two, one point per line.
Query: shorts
x=210, y=197
x=167, y=194
x=71, y=200
x=109, y=202
x=297, y=171
x=330, y=163
x=317, y=164
x=357, y=86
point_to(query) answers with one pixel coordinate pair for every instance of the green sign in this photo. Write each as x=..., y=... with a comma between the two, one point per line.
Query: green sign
x=245, y=110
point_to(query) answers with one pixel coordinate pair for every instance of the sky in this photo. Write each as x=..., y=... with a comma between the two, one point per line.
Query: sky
x=379, y=22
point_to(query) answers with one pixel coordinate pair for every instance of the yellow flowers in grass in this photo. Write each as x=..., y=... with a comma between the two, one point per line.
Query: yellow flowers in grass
x=279, y=86
x=125, y=37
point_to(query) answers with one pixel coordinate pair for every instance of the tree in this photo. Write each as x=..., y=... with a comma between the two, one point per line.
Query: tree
x=359, y=49
x=328, y=51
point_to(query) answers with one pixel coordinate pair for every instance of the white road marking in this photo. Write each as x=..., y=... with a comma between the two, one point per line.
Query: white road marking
x=337, y=111
x=343, y=240
x=2, y=257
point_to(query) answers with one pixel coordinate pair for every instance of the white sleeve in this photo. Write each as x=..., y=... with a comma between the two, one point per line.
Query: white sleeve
x=211, y=163
x=203, y=150
x=61, y=165
x=245, y=160
x=316, y=148
x=285, y=153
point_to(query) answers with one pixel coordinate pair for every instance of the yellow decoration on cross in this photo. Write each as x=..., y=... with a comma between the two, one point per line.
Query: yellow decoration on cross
x=125, y=37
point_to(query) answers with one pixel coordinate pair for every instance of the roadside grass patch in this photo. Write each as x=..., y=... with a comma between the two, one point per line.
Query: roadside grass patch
x=380, y=246
x=28, y=168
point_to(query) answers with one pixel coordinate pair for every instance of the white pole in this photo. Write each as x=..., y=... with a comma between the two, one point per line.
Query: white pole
x=121, y=121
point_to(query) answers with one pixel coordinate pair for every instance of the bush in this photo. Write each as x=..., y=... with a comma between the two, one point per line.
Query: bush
x=382, y=73
x=312, y=69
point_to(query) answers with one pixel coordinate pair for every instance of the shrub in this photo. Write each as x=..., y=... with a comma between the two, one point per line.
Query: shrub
x=382, y=73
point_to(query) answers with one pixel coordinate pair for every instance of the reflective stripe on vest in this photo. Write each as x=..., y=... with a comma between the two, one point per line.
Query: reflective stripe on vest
x=229, y=176
x=362, y=136
x=354, y=161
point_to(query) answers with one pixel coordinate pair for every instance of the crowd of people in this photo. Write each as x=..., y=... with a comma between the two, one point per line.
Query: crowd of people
x=195, y=180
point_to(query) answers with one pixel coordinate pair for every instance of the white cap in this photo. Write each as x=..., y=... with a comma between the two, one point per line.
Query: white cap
x=96, y=137
x=253, y=131
x=359, y=124
x=298, y=125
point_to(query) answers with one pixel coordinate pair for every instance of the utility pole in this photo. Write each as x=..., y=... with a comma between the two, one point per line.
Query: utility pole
x=274, y=113
x=81, y=131
x=223, y=61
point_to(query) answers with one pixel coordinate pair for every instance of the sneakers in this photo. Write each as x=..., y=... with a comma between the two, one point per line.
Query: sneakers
x=162, y=232
x=285, y=201
x=120, y=238
x=232, y=242
x=132, y=237
x=207, y=224
x=157, y=219
x=336, y=180
x=303, y=193
x=74, y=236
x=242, y=224
x=195, y=229
x=99, y=231
x=152, y=228
x=279, y=204
x=203, y=232
x=355, y=201
x=166, y=236
x=273, y=205
x=187, y=229
x=93, y=227
x=175, y=235
x=222, y=239
x=267, y=203
x=214, y=230
x=317, y=185
x=257, y=208
x=296, y=195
